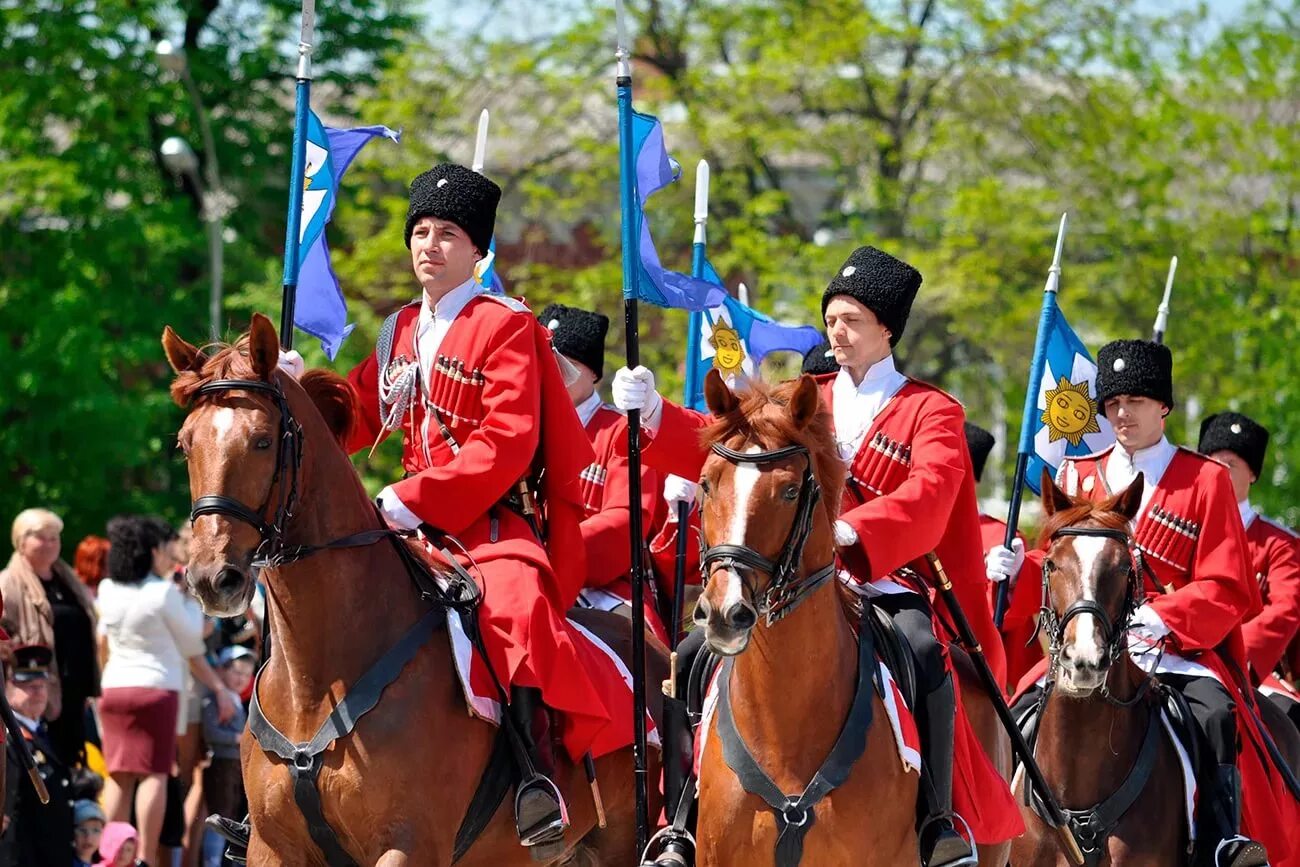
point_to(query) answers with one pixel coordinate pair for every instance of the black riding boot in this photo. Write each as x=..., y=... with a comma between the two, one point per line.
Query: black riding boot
x=941, y=845
x=541, y=816
x=236, y=834
x=1231, y=849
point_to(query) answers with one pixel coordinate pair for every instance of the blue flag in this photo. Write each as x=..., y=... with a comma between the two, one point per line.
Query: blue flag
x=320, y=309
x=1068, y=422
x=734, y=338
x=654, y=171
x=489, y=279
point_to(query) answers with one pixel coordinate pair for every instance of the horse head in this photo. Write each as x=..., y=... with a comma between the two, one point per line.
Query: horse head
x=1092, y=583
x=244, y=443
x=771, y=489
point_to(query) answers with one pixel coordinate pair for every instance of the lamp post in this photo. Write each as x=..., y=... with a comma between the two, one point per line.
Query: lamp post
x=180, y=160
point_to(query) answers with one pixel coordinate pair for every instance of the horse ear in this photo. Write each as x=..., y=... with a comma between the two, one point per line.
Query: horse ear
x=1054, y=499
x=1128, y=501
x=181, y=356
x=720, y=399
x=263, y=347
x=334, y=399
x=805, y=402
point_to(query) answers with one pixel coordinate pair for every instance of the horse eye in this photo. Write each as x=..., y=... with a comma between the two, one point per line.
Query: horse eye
x=706, y=487
x=262, y=444
x=1051, y=565
x=791, y=492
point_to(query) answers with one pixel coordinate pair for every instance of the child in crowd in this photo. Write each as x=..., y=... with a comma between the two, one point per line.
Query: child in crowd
x=223, y=783
x=88, y=822
x=118, y=845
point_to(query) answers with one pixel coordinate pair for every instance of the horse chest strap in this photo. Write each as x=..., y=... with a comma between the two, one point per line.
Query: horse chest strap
x=305, y=760
x=795, y=815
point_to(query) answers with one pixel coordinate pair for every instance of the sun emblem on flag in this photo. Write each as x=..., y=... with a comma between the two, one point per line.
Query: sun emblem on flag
x=729, y=351
x=1071, y=412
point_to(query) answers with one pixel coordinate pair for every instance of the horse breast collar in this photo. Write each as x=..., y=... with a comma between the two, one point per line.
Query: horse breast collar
x=786, y=589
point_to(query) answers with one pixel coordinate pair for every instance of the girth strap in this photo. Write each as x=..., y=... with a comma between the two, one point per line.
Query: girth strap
x=1094, y=826
x=795, y=814
x=305, y=760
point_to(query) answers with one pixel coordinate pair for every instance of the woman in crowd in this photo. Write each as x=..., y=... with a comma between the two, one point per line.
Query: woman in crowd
x=151, y=630
x=50, y=606
x=91, y=561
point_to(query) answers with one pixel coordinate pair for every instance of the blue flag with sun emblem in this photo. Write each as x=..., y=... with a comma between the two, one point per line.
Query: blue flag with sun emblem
x=1068, y=422
x=733, y=338
x=320, y=309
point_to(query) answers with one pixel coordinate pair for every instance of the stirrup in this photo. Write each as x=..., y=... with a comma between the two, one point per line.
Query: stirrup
x=540, y=824
x=949, y=848
x=669, y=847
x=236, y=835
x=1239, y=851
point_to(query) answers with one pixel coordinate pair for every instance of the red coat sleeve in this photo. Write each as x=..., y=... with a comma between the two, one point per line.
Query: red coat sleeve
x=908, y=523
x=1268, y=634
x=676, y=448
x=364, y=379
x=1222, y=592
x=499, y=452
x=607, y=533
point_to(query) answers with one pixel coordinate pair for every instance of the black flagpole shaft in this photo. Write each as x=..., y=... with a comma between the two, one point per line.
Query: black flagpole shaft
x=1013, y=521
x=638, y=589
x=679, y=575
x=1033, y=773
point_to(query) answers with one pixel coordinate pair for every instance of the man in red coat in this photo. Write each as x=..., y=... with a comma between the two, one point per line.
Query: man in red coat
x=1240, y=443
x=471, y=381
x=911, y=491
x=1191, y=537
x=579, y=336
x=1019, y=627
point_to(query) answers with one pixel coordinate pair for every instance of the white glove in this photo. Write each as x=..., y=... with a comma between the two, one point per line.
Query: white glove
x=635, y=389
x=1001, y=562
x=395, y=512
x=291, y=363
x=1145, y=623
x=845, y=535
x=678, y=490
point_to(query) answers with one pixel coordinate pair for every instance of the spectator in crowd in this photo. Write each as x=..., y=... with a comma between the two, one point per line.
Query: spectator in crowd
x=90, y=562
x=51, y=607
x=88, y=822
x=36, y=834
x=119, y=846
x=223, y=782
x=150, y=630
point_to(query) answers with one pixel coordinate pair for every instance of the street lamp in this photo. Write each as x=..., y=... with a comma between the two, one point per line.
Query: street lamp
x=180, y=160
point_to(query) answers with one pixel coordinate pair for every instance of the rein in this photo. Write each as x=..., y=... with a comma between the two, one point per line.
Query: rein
x=786, y=590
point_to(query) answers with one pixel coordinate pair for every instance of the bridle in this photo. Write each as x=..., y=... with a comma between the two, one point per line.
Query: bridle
x=272, y=551
x=786, y=589
x=1113, y=631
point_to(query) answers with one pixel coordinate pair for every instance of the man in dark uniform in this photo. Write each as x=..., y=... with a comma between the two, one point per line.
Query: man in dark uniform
x=35, y=834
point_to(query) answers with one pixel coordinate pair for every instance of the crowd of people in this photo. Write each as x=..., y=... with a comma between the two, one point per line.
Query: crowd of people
x=130, y=699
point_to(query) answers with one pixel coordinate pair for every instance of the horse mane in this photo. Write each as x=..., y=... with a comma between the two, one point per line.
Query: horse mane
x=763, y=414
x=1081, y=511
x=331, y=394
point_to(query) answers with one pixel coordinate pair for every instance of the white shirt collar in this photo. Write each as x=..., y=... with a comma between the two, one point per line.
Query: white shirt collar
x=1248, y=513
x=448, y=307
x=587, y=409
x=31, y=725
x=855, y=407
x=1151, y=462
x=879, y=376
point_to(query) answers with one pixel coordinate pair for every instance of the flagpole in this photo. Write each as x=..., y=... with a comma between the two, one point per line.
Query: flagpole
x=293, y=233
x=1162, y=313
x=627, y=202
x=1045, y=318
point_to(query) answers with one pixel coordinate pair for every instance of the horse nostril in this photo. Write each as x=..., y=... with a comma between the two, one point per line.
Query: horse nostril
x=740, y=616
x=230, y=580
x=701, y=615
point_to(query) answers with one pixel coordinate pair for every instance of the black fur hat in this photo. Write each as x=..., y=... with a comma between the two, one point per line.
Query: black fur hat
x=885, y=285
x=819, y=360
x=1141, y=368
x=578, y=334
x=460, y=195
x=979, y=442
x=1239, y=434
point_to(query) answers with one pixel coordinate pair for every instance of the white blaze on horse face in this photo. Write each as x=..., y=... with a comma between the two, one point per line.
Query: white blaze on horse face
x=743, y=483
x=223, y=422
x=1086, y=650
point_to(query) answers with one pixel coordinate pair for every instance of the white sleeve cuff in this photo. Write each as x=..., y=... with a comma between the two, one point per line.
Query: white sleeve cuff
x=845, y=535
x=395, y=512
x=1149, y=621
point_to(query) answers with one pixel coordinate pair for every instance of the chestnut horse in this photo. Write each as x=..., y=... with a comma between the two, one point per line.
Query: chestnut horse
x=771, y=493
x=395, y=790
x=1100, y=713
